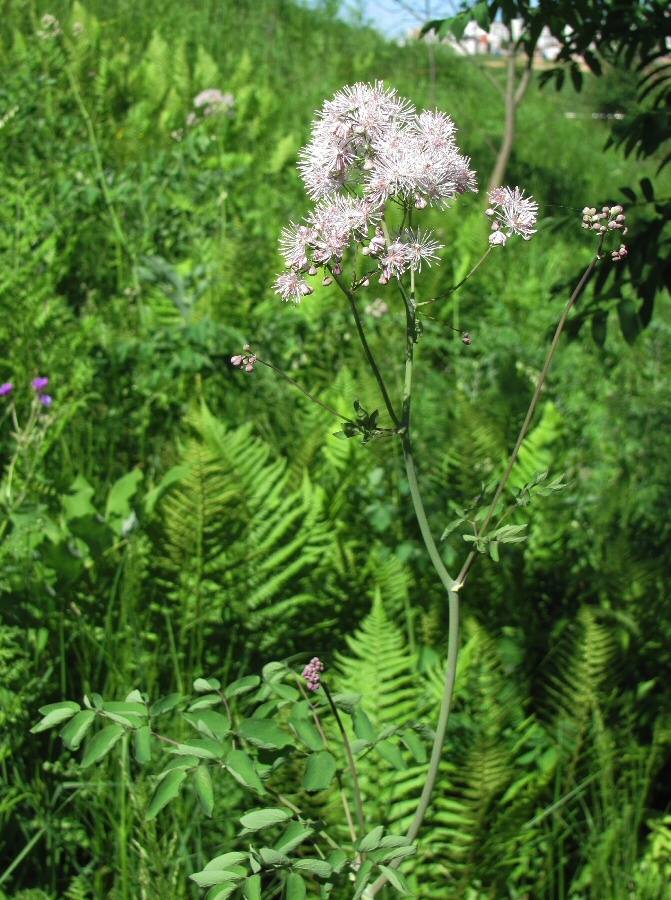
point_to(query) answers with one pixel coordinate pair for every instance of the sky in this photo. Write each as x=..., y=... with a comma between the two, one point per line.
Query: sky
x=390, y=17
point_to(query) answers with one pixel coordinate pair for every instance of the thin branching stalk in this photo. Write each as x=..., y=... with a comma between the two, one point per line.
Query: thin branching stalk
x=303, y=390
x=532, y=406
x=455, y=287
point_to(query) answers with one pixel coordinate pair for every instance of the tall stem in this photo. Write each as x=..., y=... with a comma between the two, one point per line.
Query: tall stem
x=446, y=580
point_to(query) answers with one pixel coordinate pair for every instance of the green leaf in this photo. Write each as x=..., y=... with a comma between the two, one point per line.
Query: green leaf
x=205, y=748
x=397, y=880
x=128, y=721
x=383, y=855
x=210, y=723
x=166, y=791
x=242, y=686
x=370, y=841
x=142, y=744
x=204, y=789
x=415, y=745
x=346, y=702
x=227, y=861
x=629, y=320
x=123, y=708
x=599, y=327
x=275, y=671
x=164, y=704
x=76, y=729
x=318, y=867
x=221, y=892
x=259, y=819
x=362, y=878
x=293, y=835
x=270, y=857
x=54, y=714
x=392, y=754
x=135, y=697
x=101, y=743
x=252, y=889
x=205, y=702
x=363, y=727
x=301, y=720
x=294, y=887
x=319, y=771
x=263, y=733
x=241, y=767
x=217, y=876
x=337, y=859
x=285, y=691
x=307, y=733
x=182, y=762
x=204, y=685
x=121, y=493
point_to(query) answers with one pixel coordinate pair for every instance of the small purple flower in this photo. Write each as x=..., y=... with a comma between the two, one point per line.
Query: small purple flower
x=44, y=399
x=6, y=388
x=39, y=383
x=311, y=673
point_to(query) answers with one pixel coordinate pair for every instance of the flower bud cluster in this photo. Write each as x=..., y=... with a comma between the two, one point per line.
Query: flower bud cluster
x=244, y=360
x=312, y=673
x=609, y=219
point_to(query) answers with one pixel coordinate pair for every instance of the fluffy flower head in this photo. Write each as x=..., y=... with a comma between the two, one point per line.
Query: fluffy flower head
x=513, y=213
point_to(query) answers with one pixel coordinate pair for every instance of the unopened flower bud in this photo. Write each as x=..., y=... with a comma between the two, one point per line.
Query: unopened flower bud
x=466, y=338
x=327, y=281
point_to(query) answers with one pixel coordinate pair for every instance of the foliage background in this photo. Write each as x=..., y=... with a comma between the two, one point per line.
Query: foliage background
x=183, y=519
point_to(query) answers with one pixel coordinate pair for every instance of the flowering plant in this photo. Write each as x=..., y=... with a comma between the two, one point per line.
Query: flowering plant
x=372, y=166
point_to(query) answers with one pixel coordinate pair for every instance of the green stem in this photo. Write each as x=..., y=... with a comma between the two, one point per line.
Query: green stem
x=368, y=352
x=532, y=406
x=357, y=791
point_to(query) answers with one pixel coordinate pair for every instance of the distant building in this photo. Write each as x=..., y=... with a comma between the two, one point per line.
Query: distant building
x=476, y=41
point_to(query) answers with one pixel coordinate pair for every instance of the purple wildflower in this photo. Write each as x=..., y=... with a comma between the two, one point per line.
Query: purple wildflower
x=39, y=383
x=44, y=399
x=6, y=388
x=311, y=673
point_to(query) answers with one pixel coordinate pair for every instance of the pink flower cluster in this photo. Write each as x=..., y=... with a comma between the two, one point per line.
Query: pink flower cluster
x=312, y=673
x=370, y=147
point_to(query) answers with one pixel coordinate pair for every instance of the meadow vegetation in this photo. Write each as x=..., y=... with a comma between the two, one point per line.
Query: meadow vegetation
x=167, y=517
